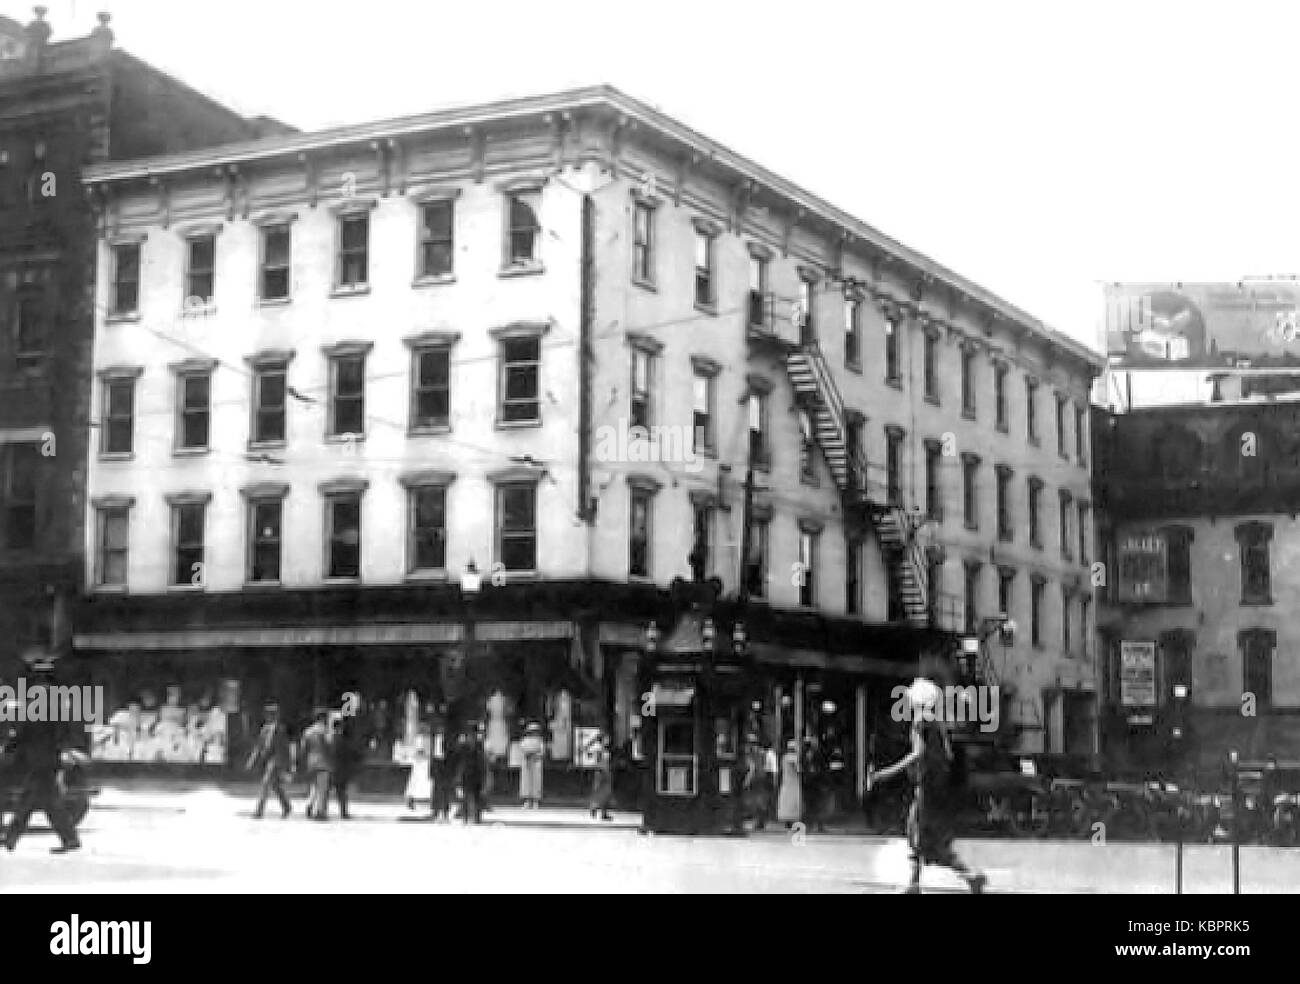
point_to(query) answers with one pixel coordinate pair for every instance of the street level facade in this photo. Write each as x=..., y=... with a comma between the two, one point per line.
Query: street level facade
x=353, y=386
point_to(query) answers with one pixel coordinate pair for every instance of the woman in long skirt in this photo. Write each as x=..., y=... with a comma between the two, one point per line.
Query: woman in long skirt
x=530, y=773
x=789, y=802
x=929, y=764
x=602, y=779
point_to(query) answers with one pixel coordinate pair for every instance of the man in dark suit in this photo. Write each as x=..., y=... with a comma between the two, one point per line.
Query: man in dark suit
x=347, y=760
x=471, y=773
x=318, y=756
x=272, y=755
x=37, y=749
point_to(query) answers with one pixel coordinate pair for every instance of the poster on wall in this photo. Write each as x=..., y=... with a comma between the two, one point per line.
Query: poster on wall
x=1137, y=680
x=584, y=747
x=1143, y=568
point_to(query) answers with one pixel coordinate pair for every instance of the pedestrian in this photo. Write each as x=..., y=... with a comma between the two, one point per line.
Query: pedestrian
x=929, y=764
x=440, y=776
x=814, y=784
x=36, y=750
x=317, y=753
x=789, y=803
x=758, y=793
x=602, y=777
x=347, y=760
x=533, y=748
x=272, y=755
x=471, y=773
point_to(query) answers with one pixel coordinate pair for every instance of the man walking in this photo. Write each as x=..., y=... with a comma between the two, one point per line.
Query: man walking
x=37, y=764
x=470, y=770
x=317, y=753
x=272, y=755
x=347, y=758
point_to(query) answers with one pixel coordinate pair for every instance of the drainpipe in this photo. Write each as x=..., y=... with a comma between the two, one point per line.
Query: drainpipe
x=587, y=317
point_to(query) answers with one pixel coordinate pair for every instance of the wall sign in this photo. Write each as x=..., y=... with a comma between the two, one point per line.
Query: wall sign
x=1137, y=674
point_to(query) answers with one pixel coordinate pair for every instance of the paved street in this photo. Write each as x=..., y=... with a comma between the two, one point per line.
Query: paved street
x=206, y=842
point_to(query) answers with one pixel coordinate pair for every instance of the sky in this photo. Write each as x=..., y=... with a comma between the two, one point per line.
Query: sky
x=1038, y=149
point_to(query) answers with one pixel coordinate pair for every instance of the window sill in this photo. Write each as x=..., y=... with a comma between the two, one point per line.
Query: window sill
x=434, y=280
x=190, y=452
x=1256, y=602
x=124, y=318
x=427, y=576
x=263, y=585
x=429, y=430
x=932, y=400
x=640, y=578
x=350, y=290
x=896, y=382
x=517, y=424
x=1002, y=428
x=185, y=588
x=267, y=445
x=973, y=527
x=1035, y=441
x=522, y=270
x=645, y=285
x=355, y=579
x=710, y=309
x=1036, y=544
x=853, y=365
x=1005, y=538
x=515, y=577
x=117, y=456
x=968, y=413
x=109, y=589
x=810, y=481
x=268, y=302
x=345, y=438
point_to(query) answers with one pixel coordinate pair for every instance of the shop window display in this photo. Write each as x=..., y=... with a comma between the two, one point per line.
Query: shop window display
x=183, y=728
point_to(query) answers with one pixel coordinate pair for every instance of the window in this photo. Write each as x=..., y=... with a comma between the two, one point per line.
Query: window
x=200, y=269
x=270, y=387
x=853, y=448
x=1067, y=536
x=704, y=285
x=517, y=526
x=643, y=269
x=679, y=767
x=1085, y=634
x=1005, y=531
x=934, y=584
x=187, y=539
x=970, y=464
x=1176, y=648
x=1060, y=427
x=852, y=332
x=1178, y=564
x=968, y=382
x=807, y=568
x=343, y=523
x=1036, y=611
x=894, y=466
x=931, y=364
x=276, y=252
x=348, y=395
x=437, y=239
x=1081, y=434
x=756, y=570
x=524, y=228
x=126, y=279
x=807, y=298
x=1006, y=586
x=933, y=491
x=22, y=463
x=428, y=525
x=642, y=367
x=639, y=534
x=758, y=437
x=1031, y=410
x=431, y=389
x=1066, y=641
x=264, y=551
x=1000, y=395
x=892, y=375
x=807, y=448
x=1084, y=552
x=195, y=411
x=1256, y=579
x=118, y=426
x=758, y=290
x=354, y=251
x=1035, y=509
x=1257, y=646
x=31, y=331
x=703, y=395
x=853, y=576
x=114, y=537
x=520, y=380
x=971, y=595
x=701, y=557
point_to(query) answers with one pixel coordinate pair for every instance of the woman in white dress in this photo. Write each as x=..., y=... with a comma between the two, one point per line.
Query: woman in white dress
x=789, y=803
x=533, y=748
x=497, y=742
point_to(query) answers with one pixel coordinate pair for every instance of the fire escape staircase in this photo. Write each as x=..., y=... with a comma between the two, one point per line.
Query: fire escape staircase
x=895, y=527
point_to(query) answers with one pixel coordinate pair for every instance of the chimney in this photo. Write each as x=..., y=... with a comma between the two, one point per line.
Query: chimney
x=102, y=36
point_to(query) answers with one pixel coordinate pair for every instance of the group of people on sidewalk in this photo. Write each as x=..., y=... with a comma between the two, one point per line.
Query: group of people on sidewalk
x=804, y=785
x=329, y=755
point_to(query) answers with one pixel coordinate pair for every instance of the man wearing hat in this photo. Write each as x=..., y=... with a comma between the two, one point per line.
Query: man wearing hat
x=929, y=764
x=272, y=756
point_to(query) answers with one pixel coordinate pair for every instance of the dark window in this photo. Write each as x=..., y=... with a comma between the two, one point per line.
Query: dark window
x=520, y=369
x=701, y=556
x=525, y=227
x=758, y=439
x=31, y=331
x=1035, y=508
x=1081, y=434
x=269, y=390
x=348, y=401
x=931, y=366
x=22, y=467
x=969, y=499
x=894, y=467
x=852, y=331
x=1036, y=612
x=119, y=416
x=431, y=396
x=971, y=592
x=1178, y=553
x=188, y=538
x=276, y=253
x=756, y=569
x=643, y=268
x=1031, y=410
x=757, y=291
x=807, y=298
x=201, y=269
x=853, y=445
x=264, y=553
x=1085, y=555
x=1256, y=574
x=1006, y=585
x=428, y=528
x=1064, y=522
x=1060, y=427
x=1000, y=395
x=703, y=413
x=1176, y=651
x=517, y=527
x=704, y=285
x=114, y=530
x=934, y=585
x=1085, y=647
x=343, y=514
x=933, y=491
x=1257, y=646
x=891, y=351
x=126, y=279
x=853, y=576
x=807, y=569
x=807, y=447
x=1066, y=641
x=437, y=242
x=968, y=382
x=354, y=250
x=640, y=399
x=1005, y=530
x=639, y=534
x=195, y=411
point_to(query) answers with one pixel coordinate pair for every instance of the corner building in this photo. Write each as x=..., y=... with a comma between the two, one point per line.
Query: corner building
x=337, y=372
